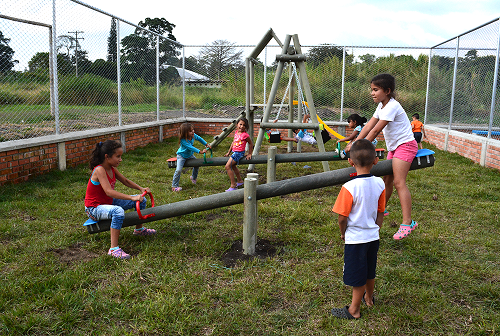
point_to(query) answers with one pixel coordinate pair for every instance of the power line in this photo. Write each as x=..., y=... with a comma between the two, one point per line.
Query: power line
x=76, y=32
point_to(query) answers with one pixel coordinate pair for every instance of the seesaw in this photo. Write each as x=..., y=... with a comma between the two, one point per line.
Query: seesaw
x=137, y=208
x=263, y=159
x=424, y=159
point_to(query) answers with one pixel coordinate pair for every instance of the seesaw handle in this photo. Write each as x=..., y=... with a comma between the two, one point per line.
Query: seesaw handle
x=138, y=206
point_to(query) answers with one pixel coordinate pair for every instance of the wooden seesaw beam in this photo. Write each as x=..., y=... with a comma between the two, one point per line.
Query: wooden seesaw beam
x=262, y=159
x=274, y=189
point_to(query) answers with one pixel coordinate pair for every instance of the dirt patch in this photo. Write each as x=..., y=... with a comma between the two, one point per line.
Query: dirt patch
x=74, y=254
x=263, y=249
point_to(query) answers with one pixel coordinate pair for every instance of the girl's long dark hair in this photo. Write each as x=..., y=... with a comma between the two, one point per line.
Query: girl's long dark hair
x=101, y=149
x=245, y=121
x=359, y=120
x=386, y=82
x=184, y=130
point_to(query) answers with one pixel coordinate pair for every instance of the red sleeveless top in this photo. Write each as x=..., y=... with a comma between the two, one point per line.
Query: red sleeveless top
x=95, y=194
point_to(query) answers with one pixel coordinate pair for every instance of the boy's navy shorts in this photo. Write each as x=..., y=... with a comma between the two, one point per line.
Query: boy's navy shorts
x=418, y=136
x=360, y=262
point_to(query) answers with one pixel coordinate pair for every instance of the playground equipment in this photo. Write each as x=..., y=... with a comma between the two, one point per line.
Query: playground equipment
x=262, y=159
x=332, y=132
x=293, y=56
x=274, y=189
x=137, y=208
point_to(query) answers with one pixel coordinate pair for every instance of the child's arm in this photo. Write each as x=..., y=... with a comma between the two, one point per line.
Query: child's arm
x=200, y=139
x=250, y=148
x=423, y=132
x=229, y=151
x=350, y=137
x=186, y=144
x=380, y=219
x=379, y=126
x=343, y=226
x=110, y=192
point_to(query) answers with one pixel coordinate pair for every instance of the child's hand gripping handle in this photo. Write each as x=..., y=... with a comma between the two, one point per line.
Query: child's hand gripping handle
x=138, y=206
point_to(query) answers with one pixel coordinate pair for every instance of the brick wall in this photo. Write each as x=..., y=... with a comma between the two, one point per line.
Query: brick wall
x=20, y=164
x=475, y=147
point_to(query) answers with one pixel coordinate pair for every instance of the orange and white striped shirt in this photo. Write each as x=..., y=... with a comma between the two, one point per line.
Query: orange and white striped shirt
x=360, y=200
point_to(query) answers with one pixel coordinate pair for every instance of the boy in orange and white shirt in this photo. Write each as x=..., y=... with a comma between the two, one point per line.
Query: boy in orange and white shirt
x=418, y=129
x=360, y=205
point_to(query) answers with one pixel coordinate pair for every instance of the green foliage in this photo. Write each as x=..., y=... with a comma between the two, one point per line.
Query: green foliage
x=6, y=55
x=324, y=53
x=87, y=90
x=139, y=50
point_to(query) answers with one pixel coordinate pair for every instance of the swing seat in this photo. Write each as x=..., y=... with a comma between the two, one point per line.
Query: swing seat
x=325, y=136
x=90, y=222
x=275, y=137
x=172, y=162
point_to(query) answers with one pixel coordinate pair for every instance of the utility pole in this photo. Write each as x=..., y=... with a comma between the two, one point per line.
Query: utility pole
x=76, y=32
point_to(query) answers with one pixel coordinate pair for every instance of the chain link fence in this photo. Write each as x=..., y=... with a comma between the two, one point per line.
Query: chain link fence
x=462, y=78
x=111, y=72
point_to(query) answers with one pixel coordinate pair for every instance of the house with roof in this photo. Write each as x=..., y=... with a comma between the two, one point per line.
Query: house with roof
x=195, y=79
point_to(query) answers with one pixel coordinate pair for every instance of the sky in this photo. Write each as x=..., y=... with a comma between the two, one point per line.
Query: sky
x=402, y=23
x=359, y=22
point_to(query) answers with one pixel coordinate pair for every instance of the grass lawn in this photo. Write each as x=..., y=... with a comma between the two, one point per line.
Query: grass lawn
x=58, y=280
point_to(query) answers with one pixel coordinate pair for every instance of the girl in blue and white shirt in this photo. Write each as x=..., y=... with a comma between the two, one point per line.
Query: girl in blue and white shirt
x=356, y=122
x=185, y=151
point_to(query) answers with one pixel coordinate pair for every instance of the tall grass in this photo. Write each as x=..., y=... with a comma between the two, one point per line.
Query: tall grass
x=57, y=279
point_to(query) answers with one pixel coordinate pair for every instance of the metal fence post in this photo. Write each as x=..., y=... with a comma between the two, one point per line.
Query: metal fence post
x=428, y=83
x=183, y=82
x=157, y=78
x=342, y=89
x=118, y=73
x=454, y=83
x=495, y=80
x=250, y=220
x=271, y=164
x=54, y=67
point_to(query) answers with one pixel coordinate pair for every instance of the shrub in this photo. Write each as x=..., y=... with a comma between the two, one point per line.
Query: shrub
x=87, y=90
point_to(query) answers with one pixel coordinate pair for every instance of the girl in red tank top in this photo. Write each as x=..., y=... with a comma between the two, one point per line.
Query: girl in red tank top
x=102, y=201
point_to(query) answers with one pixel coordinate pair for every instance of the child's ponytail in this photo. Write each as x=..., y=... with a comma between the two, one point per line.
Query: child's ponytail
x=101, y=149
x=358, y=120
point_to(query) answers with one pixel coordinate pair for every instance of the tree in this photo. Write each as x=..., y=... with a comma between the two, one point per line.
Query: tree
x=70, y=47
x=368, y=59
x=219, y=57
x=139, y=50
x=112, y=47
x=40, y=63
x=104, y=69
x=324, y=52
x=6, y=54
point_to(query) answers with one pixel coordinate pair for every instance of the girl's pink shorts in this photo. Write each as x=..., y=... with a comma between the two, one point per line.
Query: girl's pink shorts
x=405, y=152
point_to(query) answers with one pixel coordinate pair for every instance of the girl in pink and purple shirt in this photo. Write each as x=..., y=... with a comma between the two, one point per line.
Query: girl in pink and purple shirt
x=241, y=138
